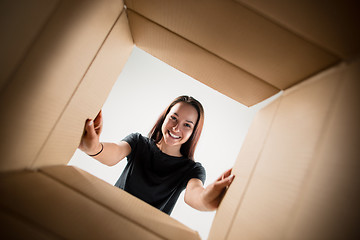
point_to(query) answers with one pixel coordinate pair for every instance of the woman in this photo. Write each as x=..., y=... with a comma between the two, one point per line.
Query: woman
x=161, y=166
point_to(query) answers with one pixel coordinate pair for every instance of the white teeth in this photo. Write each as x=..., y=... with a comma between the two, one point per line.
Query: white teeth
x=174, y=136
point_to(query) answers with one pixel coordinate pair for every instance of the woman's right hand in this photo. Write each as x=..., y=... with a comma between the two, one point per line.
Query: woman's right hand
x=90, y=139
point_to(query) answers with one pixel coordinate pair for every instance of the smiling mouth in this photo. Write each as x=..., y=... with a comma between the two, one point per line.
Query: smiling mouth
x=173, y=136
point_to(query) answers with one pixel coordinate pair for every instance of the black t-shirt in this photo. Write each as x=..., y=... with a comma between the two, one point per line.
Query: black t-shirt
x=154, y=176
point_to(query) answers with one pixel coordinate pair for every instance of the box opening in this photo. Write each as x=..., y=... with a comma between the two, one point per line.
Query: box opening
x=144, y=88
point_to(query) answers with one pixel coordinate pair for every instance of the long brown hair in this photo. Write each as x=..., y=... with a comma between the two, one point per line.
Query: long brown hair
x=187, y=149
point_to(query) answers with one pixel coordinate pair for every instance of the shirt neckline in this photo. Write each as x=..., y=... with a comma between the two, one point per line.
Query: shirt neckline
x=165, y=154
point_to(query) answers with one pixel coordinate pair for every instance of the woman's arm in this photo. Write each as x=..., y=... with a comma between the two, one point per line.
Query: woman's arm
x=111, y=153
x=209, y=198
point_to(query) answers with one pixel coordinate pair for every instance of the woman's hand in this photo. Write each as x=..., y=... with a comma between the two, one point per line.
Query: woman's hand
x=209, y=198
x=214, y=193
x=90, y=139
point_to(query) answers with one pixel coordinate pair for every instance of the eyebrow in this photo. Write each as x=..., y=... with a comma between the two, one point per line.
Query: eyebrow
x=185, y=120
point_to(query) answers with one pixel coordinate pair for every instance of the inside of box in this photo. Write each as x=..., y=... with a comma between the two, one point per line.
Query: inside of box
x=155, y=86
x=298, y=164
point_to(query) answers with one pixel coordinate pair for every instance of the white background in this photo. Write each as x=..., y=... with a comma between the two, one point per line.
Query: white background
x=144, y=89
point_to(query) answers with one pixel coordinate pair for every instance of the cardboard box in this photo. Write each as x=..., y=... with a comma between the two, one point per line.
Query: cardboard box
x=58, y=77
x=296, y=174
x=297, y=170
x=69, y=203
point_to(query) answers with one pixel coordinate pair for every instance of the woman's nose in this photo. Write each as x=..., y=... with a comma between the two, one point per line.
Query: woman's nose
x=176, y=127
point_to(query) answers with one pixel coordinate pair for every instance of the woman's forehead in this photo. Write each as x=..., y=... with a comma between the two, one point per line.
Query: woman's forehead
x=185, y=110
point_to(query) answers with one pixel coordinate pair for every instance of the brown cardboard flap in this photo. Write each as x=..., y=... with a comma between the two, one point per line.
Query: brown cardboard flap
x=333, y=25
x=243, y=170
x=20, y=23
x=89, y=97
x=329, y=203
x=198, y=63
x=121, y=202
x=304, y=182
x=34, y=99
x=14, y=226
x=284, y=161
x=70, y=203
x=239, y=35
x=62, y=211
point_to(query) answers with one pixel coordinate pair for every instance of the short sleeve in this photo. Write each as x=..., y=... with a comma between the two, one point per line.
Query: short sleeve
x=132, y=139
x=198, y=172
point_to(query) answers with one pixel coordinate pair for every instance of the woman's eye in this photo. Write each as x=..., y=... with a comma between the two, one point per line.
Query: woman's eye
x=187, y=125
x=173, y=118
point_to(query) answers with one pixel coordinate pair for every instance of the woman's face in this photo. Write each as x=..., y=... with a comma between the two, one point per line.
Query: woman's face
x=179, y=124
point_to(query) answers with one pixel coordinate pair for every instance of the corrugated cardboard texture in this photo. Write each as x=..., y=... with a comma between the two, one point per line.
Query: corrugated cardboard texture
x=41, y=93
x=135, y=210
x=20, y=24
x=198, y=62
x=328, y=207
x=243, y=170
x=68, y=203
x=304, y=167
x=297, y=173
x=236, y=34
x=15, y=226
x=332, y=24
x=89, y=96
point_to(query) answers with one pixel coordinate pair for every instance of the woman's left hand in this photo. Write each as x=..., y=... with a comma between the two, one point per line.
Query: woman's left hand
x=213, y=193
